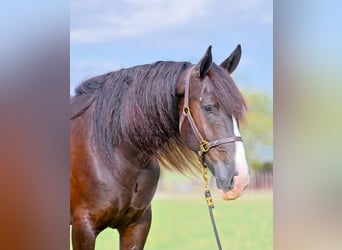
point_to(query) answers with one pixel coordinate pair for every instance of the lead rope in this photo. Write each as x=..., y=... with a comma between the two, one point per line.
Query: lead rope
x=210, y=203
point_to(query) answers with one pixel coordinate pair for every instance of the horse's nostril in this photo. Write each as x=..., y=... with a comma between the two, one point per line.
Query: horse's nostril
x=231, y=183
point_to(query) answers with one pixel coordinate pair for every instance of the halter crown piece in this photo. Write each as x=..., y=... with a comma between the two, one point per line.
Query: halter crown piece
x=204, y=147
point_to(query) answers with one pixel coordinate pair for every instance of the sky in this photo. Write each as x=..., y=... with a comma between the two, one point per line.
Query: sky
x=107, y=35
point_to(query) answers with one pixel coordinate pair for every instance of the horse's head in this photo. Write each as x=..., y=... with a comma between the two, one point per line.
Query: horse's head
x=210, y=108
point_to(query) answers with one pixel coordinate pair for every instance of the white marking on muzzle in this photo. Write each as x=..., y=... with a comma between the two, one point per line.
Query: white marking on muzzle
x=242, y=179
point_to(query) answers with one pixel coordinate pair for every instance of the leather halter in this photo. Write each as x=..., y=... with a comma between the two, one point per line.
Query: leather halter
x=205, y=145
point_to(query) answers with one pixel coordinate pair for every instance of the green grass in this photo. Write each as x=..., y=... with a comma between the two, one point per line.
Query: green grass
x=180, y=224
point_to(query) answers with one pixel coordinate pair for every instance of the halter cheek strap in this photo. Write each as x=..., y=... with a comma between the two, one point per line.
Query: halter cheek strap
x=205, y=145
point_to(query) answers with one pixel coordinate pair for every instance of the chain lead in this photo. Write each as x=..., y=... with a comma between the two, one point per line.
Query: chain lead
x=207, y=193
x=209, y=200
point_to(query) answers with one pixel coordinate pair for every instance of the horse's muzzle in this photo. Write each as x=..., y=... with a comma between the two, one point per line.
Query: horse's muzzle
x=240, y=184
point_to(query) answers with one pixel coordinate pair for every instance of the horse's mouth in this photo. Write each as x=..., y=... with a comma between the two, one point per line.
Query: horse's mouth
x=240, y=184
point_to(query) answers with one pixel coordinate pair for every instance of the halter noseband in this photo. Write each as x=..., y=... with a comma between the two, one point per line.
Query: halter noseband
x=205, y=145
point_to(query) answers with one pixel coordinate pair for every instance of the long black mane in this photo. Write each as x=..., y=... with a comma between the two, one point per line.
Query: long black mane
x=138, y=107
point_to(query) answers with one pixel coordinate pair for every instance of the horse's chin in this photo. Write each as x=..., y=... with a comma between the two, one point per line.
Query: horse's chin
x=240, y=184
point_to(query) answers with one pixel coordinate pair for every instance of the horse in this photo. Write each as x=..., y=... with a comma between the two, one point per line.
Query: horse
x=125, y=124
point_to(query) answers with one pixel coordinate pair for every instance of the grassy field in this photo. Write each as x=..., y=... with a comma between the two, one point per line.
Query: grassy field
x=183, y=223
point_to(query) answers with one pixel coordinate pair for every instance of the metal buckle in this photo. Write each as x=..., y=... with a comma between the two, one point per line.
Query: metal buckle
x=186, y=110
x=204, y=146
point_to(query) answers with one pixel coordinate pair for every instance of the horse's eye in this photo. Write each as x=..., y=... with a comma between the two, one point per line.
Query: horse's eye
x=209, y=108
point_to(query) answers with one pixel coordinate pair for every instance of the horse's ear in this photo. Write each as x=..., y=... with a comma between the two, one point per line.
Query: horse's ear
x=233, y=60
x=205, y=63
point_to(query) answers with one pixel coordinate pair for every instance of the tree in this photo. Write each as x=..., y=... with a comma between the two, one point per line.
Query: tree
x=257, y=130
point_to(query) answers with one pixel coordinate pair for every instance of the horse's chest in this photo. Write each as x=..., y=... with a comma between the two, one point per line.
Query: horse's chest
x=137, y=198
x=144, y=187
